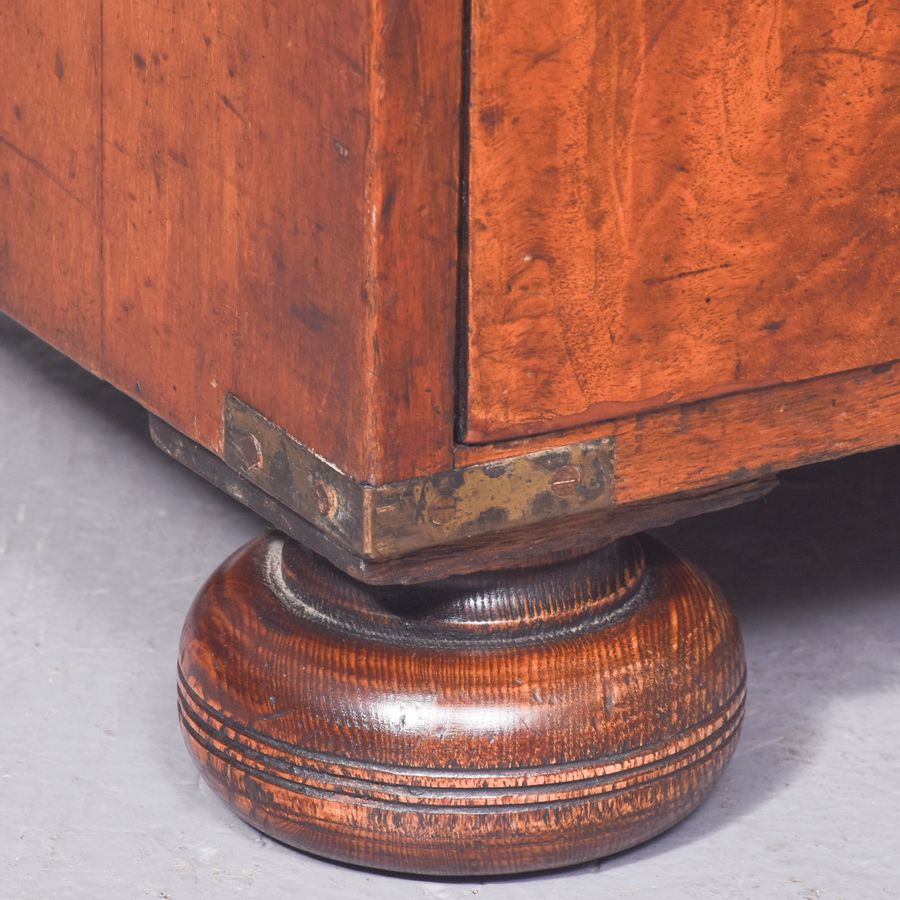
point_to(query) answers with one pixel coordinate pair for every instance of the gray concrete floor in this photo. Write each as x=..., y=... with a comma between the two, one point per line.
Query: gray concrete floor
x=103, y=542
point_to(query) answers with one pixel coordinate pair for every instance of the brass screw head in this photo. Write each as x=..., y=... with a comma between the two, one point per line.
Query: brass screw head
x=251, y=452
x=565, y=481
x=326, y=499
x=442, y=510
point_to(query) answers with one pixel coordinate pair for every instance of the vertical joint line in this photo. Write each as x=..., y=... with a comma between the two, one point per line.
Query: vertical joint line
x=102, y=187
x=462, y=315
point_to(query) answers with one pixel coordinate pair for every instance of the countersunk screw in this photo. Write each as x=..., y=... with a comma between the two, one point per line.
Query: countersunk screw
x=251, y=452
x=326, y=499
x=442, y=510
x=565, y=481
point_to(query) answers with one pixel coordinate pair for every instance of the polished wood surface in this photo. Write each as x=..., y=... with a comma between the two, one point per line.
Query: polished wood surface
x=50, y=159
x=727, y=440
x=409, y=239
x=477, y=725
x=267, y=171
x=279, y=212
x=280, y=207
x=677, y=200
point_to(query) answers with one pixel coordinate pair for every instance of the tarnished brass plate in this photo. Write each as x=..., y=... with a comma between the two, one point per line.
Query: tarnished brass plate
x=390, y=520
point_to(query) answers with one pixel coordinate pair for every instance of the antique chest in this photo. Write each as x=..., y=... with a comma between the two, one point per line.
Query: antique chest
x=460, y=296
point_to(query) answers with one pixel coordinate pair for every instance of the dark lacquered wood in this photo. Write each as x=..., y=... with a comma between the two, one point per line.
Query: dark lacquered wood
x=483, y=724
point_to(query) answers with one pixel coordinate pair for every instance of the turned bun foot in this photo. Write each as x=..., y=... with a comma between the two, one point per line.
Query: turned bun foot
x=485, y=724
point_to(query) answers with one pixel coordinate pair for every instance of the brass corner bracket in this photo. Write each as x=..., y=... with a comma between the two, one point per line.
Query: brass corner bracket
x=492, y=515
x=386, y=521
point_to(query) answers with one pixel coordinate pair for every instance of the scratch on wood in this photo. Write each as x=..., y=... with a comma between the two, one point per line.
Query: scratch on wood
x=690, y=274
x=37, y=164
x=232, y=108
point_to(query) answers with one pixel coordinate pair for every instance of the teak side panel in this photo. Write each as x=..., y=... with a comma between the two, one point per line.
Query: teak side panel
x=180, y=209
x=267, y=169
x=50, y=172
x=676, y=200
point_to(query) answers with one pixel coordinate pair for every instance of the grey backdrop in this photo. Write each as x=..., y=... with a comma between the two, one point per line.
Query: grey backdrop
x=103, y=542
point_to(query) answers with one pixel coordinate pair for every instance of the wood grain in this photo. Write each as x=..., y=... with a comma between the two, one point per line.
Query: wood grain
x=268, y=170
x=672, y=201
x=480, y=725
x=279, y=212
x=280, y=199
x=412, y=244
x=50, y=152
x=728, y=440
